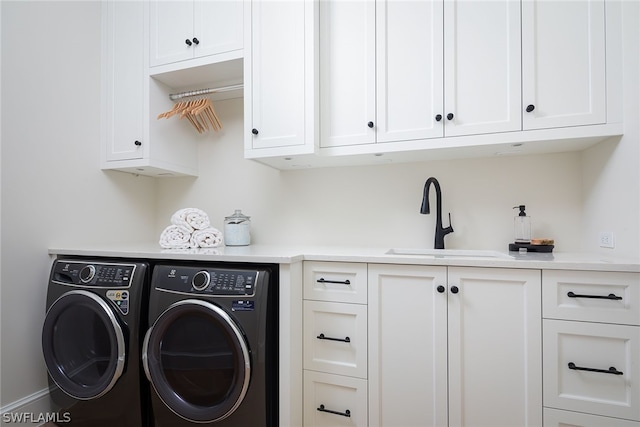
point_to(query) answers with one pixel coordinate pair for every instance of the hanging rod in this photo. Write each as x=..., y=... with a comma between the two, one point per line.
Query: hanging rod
x=197, y=92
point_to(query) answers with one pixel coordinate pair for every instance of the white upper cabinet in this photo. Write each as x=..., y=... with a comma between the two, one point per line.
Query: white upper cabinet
x=124, y=134
x=183, y=30
x=409, y=89
x=396, y=70
x=481, y=67
x=132, y=139
x=563, y=63
x=347, y=72
x=378, y=81
x=280, y=79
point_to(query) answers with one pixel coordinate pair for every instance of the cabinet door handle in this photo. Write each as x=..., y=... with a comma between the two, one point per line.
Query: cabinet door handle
x=530, y=108
x=440, y=289
x=438, y=117
x=346, y=413
x=188, y=42
x=196, y=41
x=137, y=143
x=343, y=282
x=454, y=290
x=450, y=116
x=610, y=296
x=323, y=337
x=611, y=370
x=254, y=131
x=370, y=124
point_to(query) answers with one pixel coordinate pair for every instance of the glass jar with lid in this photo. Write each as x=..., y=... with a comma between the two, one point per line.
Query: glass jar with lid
x=237, y=229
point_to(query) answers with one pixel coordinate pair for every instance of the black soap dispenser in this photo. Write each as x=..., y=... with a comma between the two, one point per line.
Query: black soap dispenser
x=522, y=226
x=522, y=231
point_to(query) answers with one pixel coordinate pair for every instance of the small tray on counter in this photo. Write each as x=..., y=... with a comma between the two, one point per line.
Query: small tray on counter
x=515, y=247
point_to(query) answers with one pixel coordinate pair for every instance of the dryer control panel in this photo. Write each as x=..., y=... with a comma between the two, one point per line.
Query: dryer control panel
x=206, y=281
x=105, y=275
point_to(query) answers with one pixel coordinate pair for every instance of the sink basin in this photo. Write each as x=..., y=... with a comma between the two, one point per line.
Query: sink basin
x=449, y=253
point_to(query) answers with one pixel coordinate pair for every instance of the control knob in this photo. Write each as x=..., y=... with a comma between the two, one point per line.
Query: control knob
x=87, y=273
x=201, y=280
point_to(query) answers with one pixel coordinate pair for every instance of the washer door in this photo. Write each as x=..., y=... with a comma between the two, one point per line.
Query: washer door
x=83, y=345
x=197, y=360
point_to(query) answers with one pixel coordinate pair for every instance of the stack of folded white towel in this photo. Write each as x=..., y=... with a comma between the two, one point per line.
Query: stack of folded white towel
x=190, y=228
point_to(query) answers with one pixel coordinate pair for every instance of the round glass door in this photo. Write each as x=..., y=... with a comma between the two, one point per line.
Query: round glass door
x=83, y=345
x=197, y=360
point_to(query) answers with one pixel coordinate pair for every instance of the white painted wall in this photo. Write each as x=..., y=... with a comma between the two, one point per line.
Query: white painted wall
x=379, y=205
x=53, y=192
x=611, y=171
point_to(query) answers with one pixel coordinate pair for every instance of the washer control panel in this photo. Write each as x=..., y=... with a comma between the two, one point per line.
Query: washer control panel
x=206, y=281
x=104, y=275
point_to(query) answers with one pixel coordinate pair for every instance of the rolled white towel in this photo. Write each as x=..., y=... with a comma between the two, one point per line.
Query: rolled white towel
x=207, y=238
x=175, y=237
x=191, y=218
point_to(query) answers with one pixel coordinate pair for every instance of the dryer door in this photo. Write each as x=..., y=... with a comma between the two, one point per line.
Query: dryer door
x=197, y=360
x=83, y=345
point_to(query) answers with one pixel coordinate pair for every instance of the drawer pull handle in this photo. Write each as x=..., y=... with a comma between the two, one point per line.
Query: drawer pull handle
x=346, y=413
x=341, y=282
x=611, y=370
x=322, y=337
x=610, y=296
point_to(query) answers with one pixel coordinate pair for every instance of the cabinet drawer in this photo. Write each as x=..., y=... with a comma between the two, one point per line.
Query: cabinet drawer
x=335, y=281
x=558, y=418
x=572, y=350
x=608, y=297
x=333, y=400
x=335, y=338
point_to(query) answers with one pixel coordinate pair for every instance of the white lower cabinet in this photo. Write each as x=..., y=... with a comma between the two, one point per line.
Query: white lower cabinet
x=417, y=345
x=335, y=344
x=591, y=348
x=559, y=418
x=457, y=346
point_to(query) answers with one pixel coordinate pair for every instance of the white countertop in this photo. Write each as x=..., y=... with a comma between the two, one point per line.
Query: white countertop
x=292, y=254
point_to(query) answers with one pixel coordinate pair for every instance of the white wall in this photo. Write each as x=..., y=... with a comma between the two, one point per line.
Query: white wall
x=379, y=205
x=611, y=171
x=54, y=194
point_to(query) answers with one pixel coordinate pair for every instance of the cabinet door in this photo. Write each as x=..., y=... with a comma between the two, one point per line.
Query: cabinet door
x=407, y=346
x=347, y=72
x=171, y=24
x=123, y=81
x=409, y=70
x=279, y=77
x=563, y=62
x=495, y=347
x=218, y=26
x=482, y=67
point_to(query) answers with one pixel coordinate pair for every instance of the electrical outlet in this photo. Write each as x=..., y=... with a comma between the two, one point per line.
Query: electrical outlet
x=606, y=239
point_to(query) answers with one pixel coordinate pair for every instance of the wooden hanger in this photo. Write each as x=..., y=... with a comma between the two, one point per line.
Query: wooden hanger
x=199, y=112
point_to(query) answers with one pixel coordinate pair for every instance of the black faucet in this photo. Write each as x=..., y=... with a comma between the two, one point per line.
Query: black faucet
x=424, y=209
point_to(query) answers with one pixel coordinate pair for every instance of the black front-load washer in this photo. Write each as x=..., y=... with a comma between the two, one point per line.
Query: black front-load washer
x=210, y=353
x=91, y=342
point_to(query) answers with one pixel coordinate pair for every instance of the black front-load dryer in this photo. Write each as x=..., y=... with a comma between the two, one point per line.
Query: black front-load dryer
x=91, y=342
x=210, y=353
